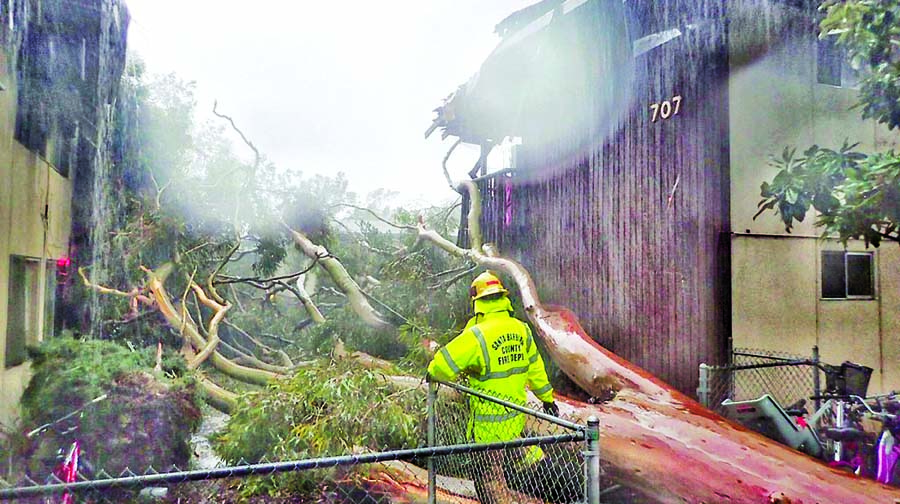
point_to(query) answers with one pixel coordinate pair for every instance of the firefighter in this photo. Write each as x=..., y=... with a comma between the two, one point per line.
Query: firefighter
x=497, y=353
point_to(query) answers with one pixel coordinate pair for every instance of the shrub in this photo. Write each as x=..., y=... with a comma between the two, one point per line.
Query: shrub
x=329, y=409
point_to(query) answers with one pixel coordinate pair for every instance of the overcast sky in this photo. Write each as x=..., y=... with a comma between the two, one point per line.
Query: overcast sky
x=328, y=86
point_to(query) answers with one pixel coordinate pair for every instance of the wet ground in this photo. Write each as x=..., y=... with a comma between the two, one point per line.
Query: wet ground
x=204, y=457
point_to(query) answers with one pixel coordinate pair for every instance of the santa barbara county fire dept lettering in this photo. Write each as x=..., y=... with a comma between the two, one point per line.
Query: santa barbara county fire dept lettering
x=512, y=345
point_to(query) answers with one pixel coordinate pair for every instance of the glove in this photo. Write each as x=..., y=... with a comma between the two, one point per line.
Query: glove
x=551, y=408
x=428, y=378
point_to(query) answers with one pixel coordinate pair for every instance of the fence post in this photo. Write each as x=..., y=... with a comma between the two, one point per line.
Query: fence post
x=817, y=387
x=432, y=480
x=592, y=462
x=703, y=388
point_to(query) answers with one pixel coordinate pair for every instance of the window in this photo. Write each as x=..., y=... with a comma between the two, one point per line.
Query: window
x=24, y=310
x=65, y=147
x=832, y=67
x=848, y=275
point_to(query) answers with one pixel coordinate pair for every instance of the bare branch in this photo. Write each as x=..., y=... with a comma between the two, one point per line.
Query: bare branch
x=239, y=132
x=382, y=219
x=159, y=190
x=247, y=335
x=388, y=308
x=237, y=298
x=277, y=338
x=444, y=164
x=246, y=358
x=210, y=282
x=456, y=204
x=447, y=283
x=270, y=280
x=240, y=255
x=450, y=271
x=212, y=329
x=198, y=247
x=103, y=289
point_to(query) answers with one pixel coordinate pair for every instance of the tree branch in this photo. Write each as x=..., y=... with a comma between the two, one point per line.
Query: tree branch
x=444, y=164
x=210, y=282
x=306, y=300
x=155, y=284
x=455, y=278
x=239, y=132
x=212, y=329
x=341, y=278
x=380, y=218
x=262, y=281
x=474, y=218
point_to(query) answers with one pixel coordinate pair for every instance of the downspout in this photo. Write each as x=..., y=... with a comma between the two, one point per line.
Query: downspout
x=42, y=271
x=880, y=320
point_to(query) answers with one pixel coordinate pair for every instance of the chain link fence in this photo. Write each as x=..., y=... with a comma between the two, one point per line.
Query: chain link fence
x=522, y=456
x=786, y=377
x=549, y=473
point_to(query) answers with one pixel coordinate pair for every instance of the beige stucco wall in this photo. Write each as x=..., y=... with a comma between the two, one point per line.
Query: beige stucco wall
x=776, y=305
x=775, y=102
x=27, y=184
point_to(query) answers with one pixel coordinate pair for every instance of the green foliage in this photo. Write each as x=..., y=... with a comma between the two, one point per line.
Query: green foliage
x=145, y=420
x=869, y=31
x=856, y=195
x=328, y=409
x=68, y=373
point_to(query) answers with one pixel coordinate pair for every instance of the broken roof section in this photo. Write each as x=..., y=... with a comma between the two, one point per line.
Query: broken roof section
x=560, y=74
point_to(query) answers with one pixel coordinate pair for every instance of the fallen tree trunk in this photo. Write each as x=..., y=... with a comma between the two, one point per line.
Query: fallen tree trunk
x=657, y=439
x=404, y=482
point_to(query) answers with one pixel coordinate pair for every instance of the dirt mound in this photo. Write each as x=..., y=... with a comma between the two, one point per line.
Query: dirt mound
x=143, y=424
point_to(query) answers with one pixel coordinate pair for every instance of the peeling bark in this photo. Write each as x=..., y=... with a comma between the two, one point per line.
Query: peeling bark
x=406, y=483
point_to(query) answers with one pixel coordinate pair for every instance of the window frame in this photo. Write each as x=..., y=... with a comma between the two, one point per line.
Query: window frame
x=830, y=54
x=24, y=289
x=845, y=254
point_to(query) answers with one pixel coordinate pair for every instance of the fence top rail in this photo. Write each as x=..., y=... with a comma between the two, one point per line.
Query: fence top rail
x=295, y=465
x=763, y=356
x=522, y=409
x=763, y=365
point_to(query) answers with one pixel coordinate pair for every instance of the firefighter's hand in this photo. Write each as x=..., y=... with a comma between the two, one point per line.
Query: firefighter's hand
x=551, y=408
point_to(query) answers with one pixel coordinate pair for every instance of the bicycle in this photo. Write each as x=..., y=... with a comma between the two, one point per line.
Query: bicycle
x=852, y=447
x=72, y=463
x=888, y=450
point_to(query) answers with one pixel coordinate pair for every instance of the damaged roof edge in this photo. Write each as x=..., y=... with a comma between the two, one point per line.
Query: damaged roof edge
x=514, y=29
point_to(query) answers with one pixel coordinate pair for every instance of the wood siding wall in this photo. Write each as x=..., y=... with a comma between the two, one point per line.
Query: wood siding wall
x=647, y=275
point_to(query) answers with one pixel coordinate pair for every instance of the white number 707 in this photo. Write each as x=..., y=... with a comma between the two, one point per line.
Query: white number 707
x=665, y=109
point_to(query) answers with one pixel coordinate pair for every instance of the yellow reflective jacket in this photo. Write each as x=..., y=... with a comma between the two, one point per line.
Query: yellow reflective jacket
x=498, y=354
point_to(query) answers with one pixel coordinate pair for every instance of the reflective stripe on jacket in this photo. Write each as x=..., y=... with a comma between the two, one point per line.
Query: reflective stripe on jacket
x=498, y=354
